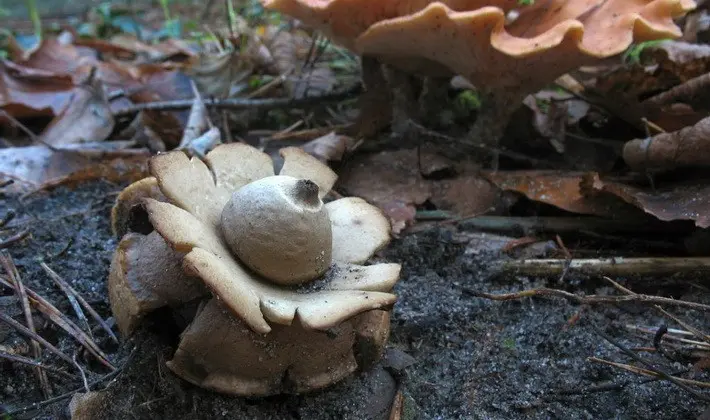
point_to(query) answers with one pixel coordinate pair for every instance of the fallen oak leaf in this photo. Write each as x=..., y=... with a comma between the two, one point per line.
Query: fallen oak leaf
x=686, y=147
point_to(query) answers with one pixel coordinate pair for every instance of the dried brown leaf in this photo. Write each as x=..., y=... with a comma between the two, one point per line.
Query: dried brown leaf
x=37, y=166
x=85, y=118
x=689, y=201
x=559, y=189
x=394, y=181
x=330, y=147
x=26, y=92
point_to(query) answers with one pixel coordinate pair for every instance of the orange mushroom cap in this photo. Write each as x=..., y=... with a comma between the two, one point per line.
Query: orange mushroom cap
x=473, y=39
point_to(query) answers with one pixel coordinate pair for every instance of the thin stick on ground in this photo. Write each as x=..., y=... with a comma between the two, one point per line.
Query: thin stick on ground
x=617, y=267
x=74, y=296
x=696, y=332
x=661, y=373
x=588, y=299
x=241, y=103
x=8, y=242
x=30, y=362
x=34, y=336
x=673, y=337
x=11, y=270
x=646, y=372
x=56, y=316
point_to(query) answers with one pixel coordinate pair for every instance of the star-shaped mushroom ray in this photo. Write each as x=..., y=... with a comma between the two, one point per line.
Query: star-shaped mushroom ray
x=359, y=229
x=189, y=184
x=203, y=190
x=318, y=310
x=300, y=164
x=237, y=164
x=376, y=277
x=226, y=278
x=247, y=295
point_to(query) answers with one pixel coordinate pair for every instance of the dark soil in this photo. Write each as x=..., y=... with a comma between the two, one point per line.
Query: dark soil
x=473, y=358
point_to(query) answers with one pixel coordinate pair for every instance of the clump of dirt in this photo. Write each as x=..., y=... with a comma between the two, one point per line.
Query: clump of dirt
x=473, y=358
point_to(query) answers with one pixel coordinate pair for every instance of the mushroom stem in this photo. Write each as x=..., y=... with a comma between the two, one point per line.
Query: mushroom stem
x=375, y=104
x=498, y=106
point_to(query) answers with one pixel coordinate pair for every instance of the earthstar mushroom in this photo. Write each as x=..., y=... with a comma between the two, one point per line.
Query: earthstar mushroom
x=287, y=306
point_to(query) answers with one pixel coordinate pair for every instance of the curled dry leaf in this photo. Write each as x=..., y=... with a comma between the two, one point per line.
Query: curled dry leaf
x=329, y=148
x=689, y=201
x=395, y=182
x=26, y=92
x=562, y=190
x=689, y=146
x=632, y=92
x=86, y=118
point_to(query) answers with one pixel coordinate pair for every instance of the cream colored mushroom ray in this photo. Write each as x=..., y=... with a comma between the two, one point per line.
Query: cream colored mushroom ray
x=189, y=184
x=376, y=277
x=237, y=164
x=319, y=310
x=181, y=229
x=300, y=164
x=359, y=229
x=254, y=301
x=249, y=297
x=232, y=284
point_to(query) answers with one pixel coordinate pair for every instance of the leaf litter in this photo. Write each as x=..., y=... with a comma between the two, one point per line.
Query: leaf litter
x=611, y=157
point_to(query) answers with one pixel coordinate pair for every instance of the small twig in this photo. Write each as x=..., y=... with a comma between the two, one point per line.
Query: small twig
x=7, y=218
x=672, y=335
x=646, y=372
x=241, y=103
x=73, y=297
x=661, y=373
x=30, y=362
x=11, y=270
x=34, y=336
x=692, y=329
x=81, y=372
x=6, y=243
x=6, y=183
x=27, y=131
x=617, y=267
x=589, y=299
x=573, y=225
